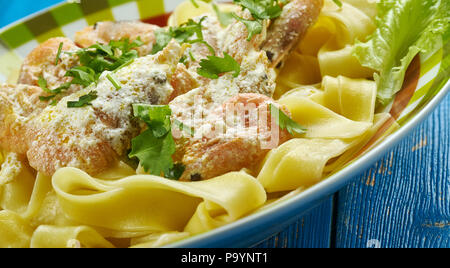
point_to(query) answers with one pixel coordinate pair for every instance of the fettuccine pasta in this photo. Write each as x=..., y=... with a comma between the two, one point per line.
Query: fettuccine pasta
x=322, y=85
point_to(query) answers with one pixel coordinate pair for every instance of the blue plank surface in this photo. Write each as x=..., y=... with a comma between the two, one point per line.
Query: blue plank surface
x=402, y=201
x=313, y=230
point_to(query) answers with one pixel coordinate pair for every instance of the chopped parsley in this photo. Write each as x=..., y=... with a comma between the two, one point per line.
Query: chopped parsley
x=285, y=122
x=94, y=60
x=58, y=55
x=338, y=3
x=254, y=27
x=182, y=34
x=163, y=38
x=155, y=146
x=261, y=10
x=176, y=172
x=213, y=66
x=53, y=92
x=83, y=101
x=114, y=81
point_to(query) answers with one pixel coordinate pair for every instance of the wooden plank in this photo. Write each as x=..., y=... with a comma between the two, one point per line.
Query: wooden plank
x=404, y=200
x=313, y=230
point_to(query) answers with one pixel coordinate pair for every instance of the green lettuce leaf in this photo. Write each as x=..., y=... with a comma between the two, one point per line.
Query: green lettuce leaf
x=404, y=29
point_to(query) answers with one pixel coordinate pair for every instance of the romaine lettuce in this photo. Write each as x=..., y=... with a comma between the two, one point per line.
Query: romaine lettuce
x=404, y=29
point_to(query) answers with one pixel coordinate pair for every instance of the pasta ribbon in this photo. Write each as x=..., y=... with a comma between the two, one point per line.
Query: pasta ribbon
x=68, y=237
x=320, y=121
x=146, y=203
x=341, y=62
x=16, y=184
x=14, y=231
x=352, y=98
x=352, y=23
x=298, y=163
x=158, y=239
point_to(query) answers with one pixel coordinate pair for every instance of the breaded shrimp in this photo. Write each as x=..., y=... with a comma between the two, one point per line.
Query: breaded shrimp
x=217, y=154
x=286, y=32
x=41, y=63
x=240, y=144
x=104, y=32
x=182, y=81
x=198, y=51
x=235, y=41
x=93, y=137
x=18, y=104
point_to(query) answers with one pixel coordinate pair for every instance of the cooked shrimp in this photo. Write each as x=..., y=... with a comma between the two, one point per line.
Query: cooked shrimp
x=286, y=31
x=93, y=137
x=41, y=63
x=18, y=104
x=182, y=81
x=104, y=32
x=235, y=41
x=198, y=51
x=213, y=156
x=238, y=146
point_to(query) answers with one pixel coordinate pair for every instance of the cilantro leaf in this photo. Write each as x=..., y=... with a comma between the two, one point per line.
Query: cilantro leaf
x=82, y=75
x=262, y=10
x=83, y=100
x=94, y=61
x=254, y=27
x=189, y=32
x=157, y=117
x=213, y=66
x=175, y=172
x=163, y=38
x=154, y=153
x=155, y=146
x=285, y=122
x=54, y=92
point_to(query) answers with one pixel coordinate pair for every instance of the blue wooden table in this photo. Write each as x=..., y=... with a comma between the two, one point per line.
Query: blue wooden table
x=402, y=201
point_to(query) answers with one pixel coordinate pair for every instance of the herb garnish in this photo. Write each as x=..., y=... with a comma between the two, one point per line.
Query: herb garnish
x=182, y=34
x=113, y=81
x=155, y=146
x=254, y=27
x=94, y=61
x=58, y=55
x=338, y=3
x=83, y=101
x=261, y=10
x=213, y=66
x=285, y=122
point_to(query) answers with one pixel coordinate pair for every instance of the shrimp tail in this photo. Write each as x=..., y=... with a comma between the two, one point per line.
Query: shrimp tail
x=288, y=30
